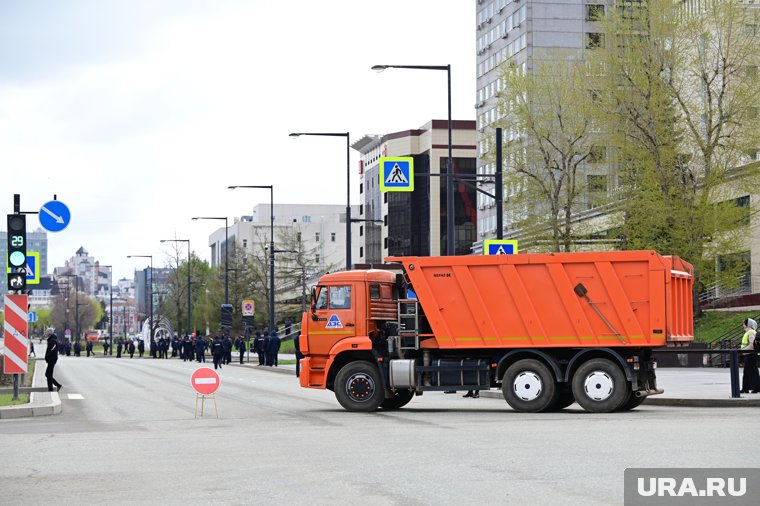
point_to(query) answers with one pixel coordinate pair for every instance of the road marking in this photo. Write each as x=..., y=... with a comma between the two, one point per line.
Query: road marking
x=77, y=397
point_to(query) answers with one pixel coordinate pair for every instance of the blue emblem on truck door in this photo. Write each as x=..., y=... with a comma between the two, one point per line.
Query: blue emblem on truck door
x=334, y=322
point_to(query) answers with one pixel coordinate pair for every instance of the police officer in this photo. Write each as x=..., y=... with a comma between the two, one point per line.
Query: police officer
x=257, y=347
x=217, y=350
x=227, y=345
x=200, y=349
x=131, y=348
x=273, y=347
x=240, y=345
x=118, y=349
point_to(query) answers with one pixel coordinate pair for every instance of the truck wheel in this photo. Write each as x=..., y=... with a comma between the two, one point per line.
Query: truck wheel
x=632, y=402
x=599, y=386
x=399, y=400
x=529, y=386
x=358, y=387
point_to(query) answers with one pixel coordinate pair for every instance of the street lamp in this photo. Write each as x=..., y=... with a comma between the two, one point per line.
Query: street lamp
x=226, y=253
x=271, y=248
x=348, y=185
x=189, y=313
x=449, y=166
x=146, y=289
x=68, y=290
x=110, y=310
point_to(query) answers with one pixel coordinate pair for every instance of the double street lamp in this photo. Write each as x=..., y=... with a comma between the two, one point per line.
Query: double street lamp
x=146, y=290
x=189, y=311
x=348, y=184
x=450, y=250
x=110, y=307
x=226, y=253
x=271, y=248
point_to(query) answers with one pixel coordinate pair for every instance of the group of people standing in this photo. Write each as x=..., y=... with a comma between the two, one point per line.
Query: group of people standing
x=267, y=347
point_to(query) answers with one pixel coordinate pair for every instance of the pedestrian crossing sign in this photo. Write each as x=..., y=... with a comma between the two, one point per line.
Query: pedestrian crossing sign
x=396, y=174
x=499, y=247
x=334, y=322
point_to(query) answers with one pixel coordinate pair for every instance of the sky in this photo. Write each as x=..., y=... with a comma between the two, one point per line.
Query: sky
x=139, y=114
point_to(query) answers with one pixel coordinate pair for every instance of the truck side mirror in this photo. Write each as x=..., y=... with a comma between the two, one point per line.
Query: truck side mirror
x=312, y=306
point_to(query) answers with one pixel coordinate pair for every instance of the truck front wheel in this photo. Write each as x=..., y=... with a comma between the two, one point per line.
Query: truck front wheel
x=358, y=387
x=400, y=399
x=599, y=386
x=529, y=386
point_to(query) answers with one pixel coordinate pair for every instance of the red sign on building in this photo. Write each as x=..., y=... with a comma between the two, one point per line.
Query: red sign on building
x=205, y=380
x=16, y=333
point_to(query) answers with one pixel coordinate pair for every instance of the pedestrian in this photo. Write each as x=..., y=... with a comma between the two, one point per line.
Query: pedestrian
x=227, y=344
x=131, y=348
x=140, y=347
x=119, y=347
x=77, y=348
x=240, y=346
x=751, y=377
x=51, y=357
x=299, y=354
x=88, y=346
x=472, y=393
x=288, y=323
x=200, y=349
x=217, y=351
x=273, y=347
x=187, y=346
x=31, y=349
x=258, y=347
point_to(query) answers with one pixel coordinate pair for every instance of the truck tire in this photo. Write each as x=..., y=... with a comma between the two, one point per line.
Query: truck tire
x=358, y=387
x=564, y=399
x=632, y=402
x=399, y=400
x=528, y=386
x=599, y=386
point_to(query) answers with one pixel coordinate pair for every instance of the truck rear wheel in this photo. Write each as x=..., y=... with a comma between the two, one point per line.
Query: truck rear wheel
x=564, y=399
x=399, y=400
x=358, y=387
x=599, y=386
x=529, y=386
x=632, y=402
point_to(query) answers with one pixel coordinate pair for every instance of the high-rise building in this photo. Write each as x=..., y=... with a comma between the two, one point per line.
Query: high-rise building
x=414, y=223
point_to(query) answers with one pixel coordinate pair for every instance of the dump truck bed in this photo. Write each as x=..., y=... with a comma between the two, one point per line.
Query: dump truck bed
x=632, y=298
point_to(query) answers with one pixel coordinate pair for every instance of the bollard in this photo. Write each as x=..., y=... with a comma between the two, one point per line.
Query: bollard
x=735, y=374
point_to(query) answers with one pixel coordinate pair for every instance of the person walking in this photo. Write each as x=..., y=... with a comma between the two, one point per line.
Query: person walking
x=217, y=351
x=200, y=349
x=131, y=349
x=51, y=358
x=77, y=349
x=31, y=349
x=273, y=347
x=119, y=347
x=140, y=347
x=88, y=347
x=751, y=376
x=227, y=345
x=240, y=345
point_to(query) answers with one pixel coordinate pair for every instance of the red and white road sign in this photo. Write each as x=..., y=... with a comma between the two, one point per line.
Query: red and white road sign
x=205, y=381
x=16, y=333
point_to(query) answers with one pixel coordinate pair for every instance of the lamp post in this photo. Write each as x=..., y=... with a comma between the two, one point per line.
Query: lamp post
x=189, y=312
x=146, y=289
x=449, y=166
x=68, y=291
x=271, y=248
x=348, y=184
x=110, y=309
x=226, y=253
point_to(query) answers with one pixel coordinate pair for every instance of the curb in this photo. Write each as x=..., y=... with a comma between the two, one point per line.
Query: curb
x=654, y=400
x=38, y=404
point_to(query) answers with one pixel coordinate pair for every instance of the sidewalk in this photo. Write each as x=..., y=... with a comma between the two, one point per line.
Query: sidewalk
x=41, y=402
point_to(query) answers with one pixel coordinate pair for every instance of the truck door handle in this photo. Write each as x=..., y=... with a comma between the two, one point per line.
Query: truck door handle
x=350, y=325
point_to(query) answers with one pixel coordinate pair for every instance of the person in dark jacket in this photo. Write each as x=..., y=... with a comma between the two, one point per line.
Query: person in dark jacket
x=258, y=343
x=51, y=358
x=77, y=348
x=131, y=349
x=240, y=345
x=88, y=346
x=273, y=347
x=217, y=351
x=140, y=347
x=299, y=355
x=227, y=345
x=118, y=349
x=200, y=349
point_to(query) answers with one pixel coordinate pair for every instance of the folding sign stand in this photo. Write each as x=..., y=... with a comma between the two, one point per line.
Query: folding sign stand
x=203, y=399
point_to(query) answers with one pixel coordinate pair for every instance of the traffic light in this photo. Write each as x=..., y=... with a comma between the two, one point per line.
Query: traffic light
x=226, y=322
x=16, y=252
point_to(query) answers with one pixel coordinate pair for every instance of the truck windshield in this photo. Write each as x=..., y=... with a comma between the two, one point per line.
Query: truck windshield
x=322, y=298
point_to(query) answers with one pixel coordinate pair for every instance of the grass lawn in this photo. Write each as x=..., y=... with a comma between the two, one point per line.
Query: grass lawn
x=5, y=399
x=714, y=324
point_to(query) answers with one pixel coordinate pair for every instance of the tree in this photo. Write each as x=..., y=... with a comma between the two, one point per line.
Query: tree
x=680, y=110
x=545, y=111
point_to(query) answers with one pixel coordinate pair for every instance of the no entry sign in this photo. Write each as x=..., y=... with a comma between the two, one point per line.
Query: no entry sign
x=205, y=381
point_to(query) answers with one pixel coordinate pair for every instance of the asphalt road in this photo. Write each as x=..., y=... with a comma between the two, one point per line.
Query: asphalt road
x=128, y=435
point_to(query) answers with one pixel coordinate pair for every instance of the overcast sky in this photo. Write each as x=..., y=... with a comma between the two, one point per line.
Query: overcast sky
x=138, y=114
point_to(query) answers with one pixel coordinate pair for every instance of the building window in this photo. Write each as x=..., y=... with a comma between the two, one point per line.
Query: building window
x=316, y=238
x=298, y=236
x=316, y=258
x=385, y=197
x=596, y=183
x=245, y=243
x=332, y=236
x=361, y=188
x=385, y=243
x=385, y=220
x=361, y=251
x=361, y=209
x=361, y=230
x=306, y=219
x=594, y=12
x=596, y=154
x=594, y=40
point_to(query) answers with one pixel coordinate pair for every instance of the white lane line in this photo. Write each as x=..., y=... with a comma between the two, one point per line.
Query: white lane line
x=77, y=397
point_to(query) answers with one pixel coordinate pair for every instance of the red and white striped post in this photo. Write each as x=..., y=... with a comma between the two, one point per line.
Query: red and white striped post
x=16, y=335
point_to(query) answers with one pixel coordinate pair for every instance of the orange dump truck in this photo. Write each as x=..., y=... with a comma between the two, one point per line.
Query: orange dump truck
x=548, y=329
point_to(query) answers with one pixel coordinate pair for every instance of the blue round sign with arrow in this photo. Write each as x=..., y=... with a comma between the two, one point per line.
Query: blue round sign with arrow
x=54, y=216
